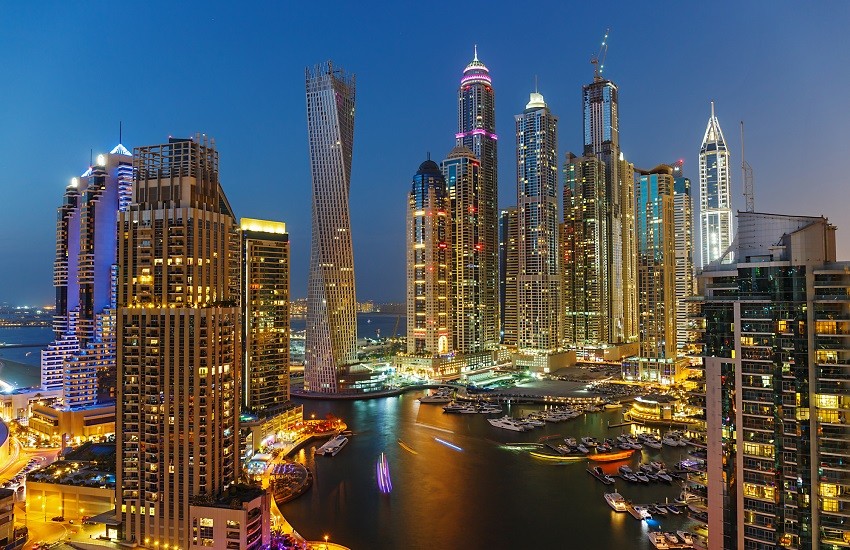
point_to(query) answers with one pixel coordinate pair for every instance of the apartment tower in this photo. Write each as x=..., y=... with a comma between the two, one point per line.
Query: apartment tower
x=331, y=304
x=264, y=280
x=508, y=270
x=178, y=344
x=715, y=198
x=477, y=132
x=538, y=272
x=428, y=263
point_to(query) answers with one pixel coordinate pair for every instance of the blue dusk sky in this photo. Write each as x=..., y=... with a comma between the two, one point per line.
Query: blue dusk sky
x=235, y=71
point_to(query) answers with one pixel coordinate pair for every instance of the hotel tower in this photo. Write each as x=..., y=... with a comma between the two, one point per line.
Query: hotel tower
x=331, y=305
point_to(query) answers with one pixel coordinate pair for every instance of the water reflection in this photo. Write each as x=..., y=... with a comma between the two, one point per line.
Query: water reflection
x=491, y=495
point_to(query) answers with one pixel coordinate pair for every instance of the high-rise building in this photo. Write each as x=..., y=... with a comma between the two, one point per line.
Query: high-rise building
x=331, y=303
x=685, y=282
x=538, y=273
x=508, y=270
x=81, y=362
x=628, y=245
x=656, y=262
x=587, y=319
x=715, y=198
x=477, y=132
x=462, y=172
x=264, y=279
x=428, y=263
x=602, y=139
x=773, y=335
x=178, y=347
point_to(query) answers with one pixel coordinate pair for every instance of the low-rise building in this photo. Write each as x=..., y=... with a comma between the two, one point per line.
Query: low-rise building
x=238, y=520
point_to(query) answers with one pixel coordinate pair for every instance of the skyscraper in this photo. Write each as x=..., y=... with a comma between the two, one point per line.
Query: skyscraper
x=685, y=282
x=178, y=345
x=715, y=199
x=82, y=359
x=264, y=279
x=538, y=274
x=477, y=132
x=774, y=346
x=464, y=183
x=508, y=270
x=587, y=320
x=428, y=263
x=656, y=361
x=331, y=304
x=602, y=139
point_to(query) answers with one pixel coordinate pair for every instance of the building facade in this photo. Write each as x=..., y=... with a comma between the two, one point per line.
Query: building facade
x=508, y=270
x=331, y=302
x=81, y=361
x=587, y=319
x=683, y=218
x=178, y=342
x=264, y=280
x=602, y=139
x=656, y=359
x=538, y=270
x=773, y=339
x=462, y=173
x=715, y=196
x=429, y=329
x=477, y=132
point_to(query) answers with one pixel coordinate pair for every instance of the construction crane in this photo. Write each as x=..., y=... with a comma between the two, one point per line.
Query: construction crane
x=598, y=61
x=747, y=178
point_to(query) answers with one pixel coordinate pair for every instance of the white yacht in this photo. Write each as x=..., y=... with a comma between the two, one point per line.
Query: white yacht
x=507, y=423
x=616, y=501
x=333, y=446
x=685, y=536
x=441, y=396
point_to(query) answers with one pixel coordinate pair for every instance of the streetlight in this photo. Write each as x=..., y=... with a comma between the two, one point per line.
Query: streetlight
x=326, y=542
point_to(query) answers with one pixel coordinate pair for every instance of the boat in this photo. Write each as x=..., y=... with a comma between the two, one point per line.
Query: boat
x=616, y=501
x=657, y=465
x=611, y=457
x=646, y=468
x=624, y=446
x=603, y=448
x=641, y=477
x=630, y=478
x=671, y=538
x=643, y=512
x=571, y=441
x=589, y=441
x=597, y=472
x=333, y=446
x=664, y=476
x=440, y=396
x=673, y=509
x=625, y=470
x=669, y=441
x=611, y=406
x=507, y=423
x=660, y=510
x=531, y=420
x=652, y=443
x=686, y=537
x=658, y=540
x=455, y=407
x=582, y=449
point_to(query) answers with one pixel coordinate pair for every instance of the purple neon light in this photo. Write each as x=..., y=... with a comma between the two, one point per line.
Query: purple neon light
x=474, y=77
x=383, y=470
x=476, y=132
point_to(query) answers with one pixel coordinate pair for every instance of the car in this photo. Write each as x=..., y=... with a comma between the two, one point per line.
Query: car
x=58, y=518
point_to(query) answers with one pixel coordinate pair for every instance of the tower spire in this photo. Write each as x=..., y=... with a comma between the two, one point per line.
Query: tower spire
x=475, y=50
x=712, y=108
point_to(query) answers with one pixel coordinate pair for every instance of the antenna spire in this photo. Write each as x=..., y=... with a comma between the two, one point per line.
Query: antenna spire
x=535, y=84
x=475, y=49
x=120, y=132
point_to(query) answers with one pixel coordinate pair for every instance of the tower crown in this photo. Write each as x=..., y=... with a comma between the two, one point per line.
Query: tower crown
x=476, y=72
